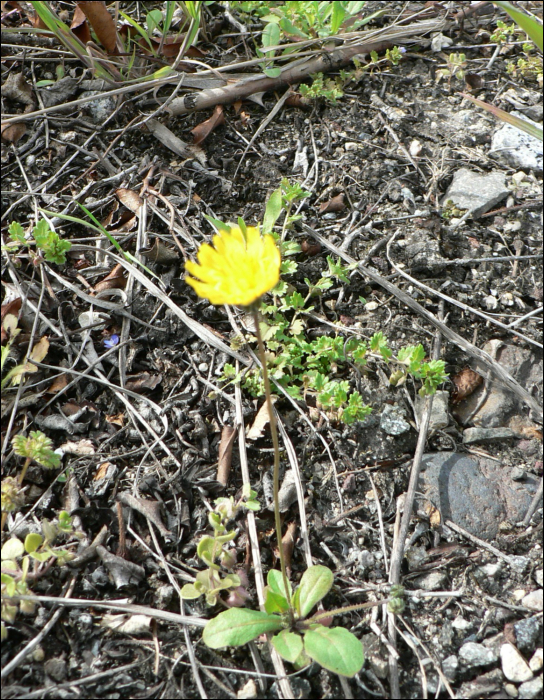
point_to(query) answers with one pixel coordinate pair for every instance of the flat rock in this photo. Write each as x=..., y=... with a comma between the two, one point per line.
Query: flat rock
x=473, y=492
x=471, y=435
x=516, y=148
x=531, y=689
x=476, y=193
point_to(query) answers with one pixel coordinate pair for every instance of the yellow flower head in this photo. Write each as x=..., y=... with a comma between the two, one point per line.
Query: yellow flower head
x=238, y=269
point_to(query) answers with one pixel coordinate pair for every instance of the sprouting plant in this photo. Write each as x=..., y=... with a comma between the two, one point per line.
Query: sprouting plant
x=215, y=555
x=502, y=33
x=53, y=248
x=455, y=65
x=17, y=557
x=37, y=447
x=321, y=88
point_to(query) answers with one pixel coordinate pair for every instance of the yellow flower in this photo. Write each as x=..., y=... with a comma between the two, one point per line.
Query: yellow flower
x=238, y=269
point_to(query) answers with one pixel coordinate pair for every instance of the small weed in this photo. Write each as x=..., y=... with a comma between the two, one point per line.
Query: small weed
x=215, y=555
x=17, y=557
x=52, y=247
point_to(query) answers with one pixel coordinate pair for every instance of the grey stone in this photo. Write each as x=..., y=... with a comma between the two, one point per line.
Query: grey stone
x=531, y=689
x=514, y=666
x=473, y=492
x=422, y=251
x=472, y=654
x=393, y=420
x=439, y=412
x=471, y=435
x=450, y=666
x=516, y=148
x=500, y=404
x=433, y=581
x=476, y=193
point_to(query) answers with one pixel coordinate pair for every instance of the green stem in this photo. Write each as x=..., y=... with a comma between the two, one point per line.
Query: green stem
x=275, y=442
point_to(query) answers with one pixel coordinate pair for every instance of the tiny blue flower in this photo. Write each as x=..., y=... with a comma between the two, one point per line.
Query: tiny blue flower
x=111, y=341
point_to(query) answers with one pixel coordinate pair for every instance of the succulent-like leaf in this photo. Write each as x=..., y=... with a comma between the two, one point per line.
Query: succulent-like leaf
x=315, y=583
x=238, y=626
x=288, y=645
x=336, y=649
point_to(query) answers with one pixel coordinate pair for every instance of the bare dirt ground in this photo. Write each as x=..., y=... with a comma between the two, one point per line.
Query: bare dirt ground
x=137, y=407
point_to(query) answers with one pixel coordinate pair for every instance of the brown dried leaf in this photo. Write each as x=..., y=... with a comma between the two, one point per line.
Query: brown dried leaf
x=143, y=382
x=334, y=204
x=57, y=384
x=160, y=253
x=261, y=421
x=465, y=383
x=309, y=248
x=102, y=23
x=79, y=25
x=204, y=129
x=116, y=419
x=12, y=307
x=129, y=198
x=228, y=435
x=115, y=280
x=11, y=133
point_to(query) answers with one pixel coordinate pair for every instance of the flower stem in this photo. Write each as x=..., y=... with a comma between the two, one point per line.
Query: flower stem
x=275, y=443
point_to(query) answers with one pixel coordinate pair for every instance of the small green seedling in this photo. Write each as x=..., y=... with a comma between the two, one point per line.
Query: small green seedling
x=16, y=559
x=53, y=248
x=35, y=448
x=215, y=555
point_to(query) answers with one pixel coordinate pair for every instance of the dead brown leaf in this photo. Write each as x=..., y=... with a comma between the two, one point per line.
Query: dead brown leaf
x=160, y=253
x=204, y=129
x=334, y=204
x=79, y=25
x=115, y=280
x=228, y=435
x=465, y=383
x=129, y=198
x=261, y=421
x=143, y=382
x=102, y=23
x=11, y=133
x=57, y=384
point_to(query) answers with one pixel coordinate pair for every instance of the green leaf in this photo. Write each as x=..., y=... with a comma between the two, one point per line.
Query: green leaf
x=288, y=645
x=238, y=626
x=208, y=550
x=17, y=233
x=272, y=211
x=338, y=14
x=315, y=583
x=190, y=592
x=275, y=581
x=335, y=649
x=12, y=549
x=272, y=72
x=271, y=35
x=32, y=542
x=529, y=25
x=220, y=225
x=275, y=602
